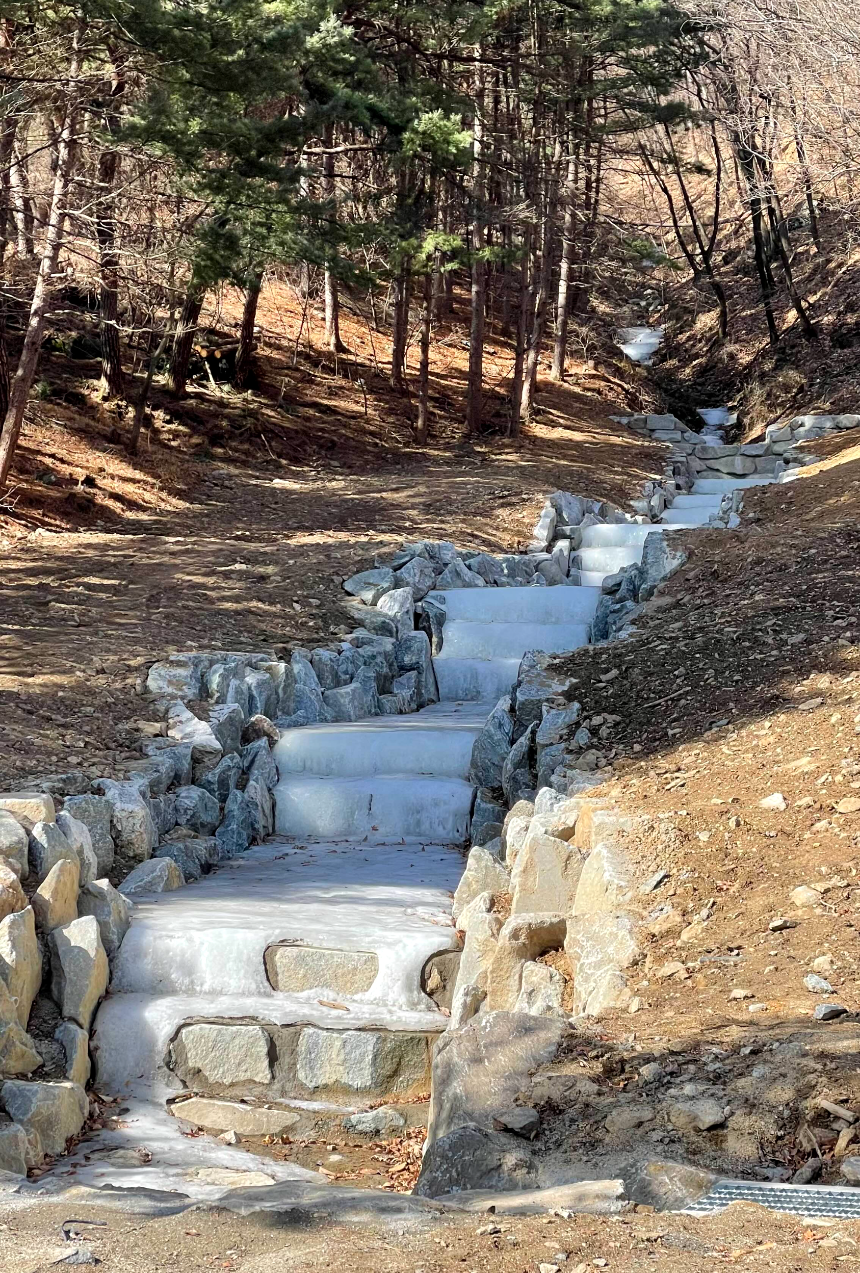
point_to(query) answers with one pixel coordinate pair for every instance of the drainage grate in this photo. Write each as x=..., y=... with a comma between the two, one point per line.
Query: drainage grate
x=799, y=1200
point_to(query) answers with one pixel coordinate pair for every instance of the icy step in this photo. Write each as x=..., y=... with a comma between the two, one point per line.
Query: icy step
x=722, y=486
x=391, y=902
x=379, y=808
x=519, y=605
x=463, y=639
x=476, y=680
x=697, y=501
x=689, y=516
x=609, y=560
x=437, y=741
x=618, y=536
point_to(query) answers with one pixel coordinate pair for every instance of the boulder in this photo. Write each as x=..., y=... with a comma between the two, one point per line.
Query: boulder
x=197, y=809
x=491, y=747
x=556, y=725
x=307, y=696
x=231, y=1116
x=405, y=690
x=347, y=702
x=661, y=557
x=55, y=901
x=507, y=1045
x=13, y=1149
x=284, y=681
x=523, y=938
x=48, y=846
x=156, y=771
x=488, y=815
x=227, y=722
x=552, y=572
x=373, y=620
x=399, y=606
x=696, y=1115
x=259, y=764
x=484, y=873
x=260, y=805
x=55, y=1111
x=185, y=727
x=374, y=1122
x=221, y=1054
x=218, y=782
x=78, y=835
x=158, y=875
x=412, y=653
x=20, y=960
x=12, y=896
x=260, y=727
x=544, y=528
x=237, y=828
x=75, y=1043
x=18, y=1054
x=518, y=771
x=537, y=682
x=515, y=828
x=14, y=843
x=176, y=754
x=546, y=874
x=541, y=992
x=666, y=1186
x=432, y=621
x=600, y=949
x=262, y=695
x=79, y=969
x=458, y=575
x=472, y=1158
x=362, y=1060
x=110, y=910
x=371, y=585
x=188, y=862
x=417, y=575
x=181, y=676
x=132, y=828
x=28, y=807
x=570, y=508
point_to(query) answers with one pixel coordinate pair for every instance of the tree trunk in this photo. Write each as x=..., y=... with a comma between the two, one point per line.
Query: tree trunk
x=22, y=208
x=143, y=397
x=113, y=383
x=183, y=340
x=475, y=381
x=332, y=302
x=400, y=327
x=562, y=305
x=542, y=294
x=422, y=427
x=7, y=141
x=26, y=370
x=246, y=334
x=523, y=312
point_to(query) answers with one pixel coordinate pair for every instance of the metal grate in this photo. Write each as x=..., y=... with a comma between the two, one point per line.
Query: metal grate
x=799, y=1200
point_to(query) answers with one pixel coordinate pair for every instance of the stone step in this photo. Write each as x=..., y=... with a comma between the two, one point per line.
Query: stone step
x=464, y=639
x=623, y=535
x=609, y=560
x=519, y=605
x=379, y=808
x=689, y=516
x=476, y=680
x=436, y=741
x=697, y=501
x=390, y=906
x=722, y=486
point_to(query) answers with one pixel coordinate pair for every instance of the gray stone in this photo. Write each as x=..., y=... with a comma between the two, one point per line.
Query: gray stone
x=219, y=677
x=20, y=960
x=432, y=621
x=441, y=552
x=347, y=703
x=518, y=772
x=308, y=694
x=75, y=1043
x=544, y=528
x=405, y=690
x=541, y=992
x=258, y=763
x=469, y=1158
x=178, y=754
x=236, y=830
x=666, y=1186
x=222, y=1054
x=399, y=606
x=509, y=1046
x=521, y=1120
x=600, y=948
x=492, y=746
x=660, y=559
x=417, y=575
x=413, y=655
x=110, y=910
x=549, y=760
x=325, y=666
x=292, y=969
x=218, y=782
x=18, y=1054
x=180, y=675
x=158, y=875
x=738, y=465
x=157, y=772
x=375, y=1122
x=13, y=1149
x=48, y=846
x=546, y=874
x=536, y=683
x=362, y=1060
x=79, y=969
x=551, y=572
x=570, y=508
x=458, y=575
x=78, y=835
x=237, y=695
x=197, y=809
x=55, y=1111
x=185, y=727
x=12, y=896
x=55, y=901
x=487, y=813
x=132, y=828
x=484, y=873
x=829, y=1011
x=163, y=810
x=227, y=721
x=389, y=705
x=370, y=618
x=370, y=585
x=188, y=862
x=850, y=1170
x=696, y=1115
x=488, y=568
x=262, y=695
x=522, y=939
x=14, y=844
x=260, y=805
x=817, y=985
x=231, y=1116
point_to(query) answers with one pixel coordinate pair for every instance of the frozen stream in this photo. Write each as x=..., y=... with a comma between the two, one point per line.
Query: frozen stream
x=324, y=933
